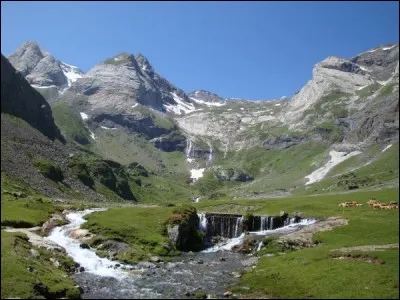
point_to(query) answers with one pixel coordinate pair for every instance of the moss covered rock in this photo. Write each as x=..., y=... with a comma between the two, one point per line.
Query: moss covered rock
x=182, y=228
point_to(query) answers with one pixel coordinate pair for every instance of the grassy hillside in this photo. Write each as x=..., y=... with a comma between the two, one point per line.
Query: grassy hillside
x=313, y=273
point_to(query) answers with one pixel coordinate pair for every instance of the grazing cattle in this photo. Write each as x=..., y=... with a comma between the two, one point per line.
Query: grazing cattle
x=349, y=204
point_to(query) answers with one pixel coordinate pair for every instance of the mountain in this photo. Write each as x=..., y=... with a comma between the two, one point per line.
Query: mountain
x=45, y=73
x=120, y=83
x=123, y=110
x=20, y=100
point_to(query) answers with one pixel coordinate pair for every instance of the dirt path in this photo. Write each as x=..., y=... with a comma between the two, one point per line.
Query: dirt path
x=369, y=248
x=36, y=239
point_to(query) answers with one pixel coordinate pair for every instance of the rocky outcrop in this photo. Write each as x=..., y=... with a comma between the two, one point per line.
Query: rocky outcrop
x=19, y=99
x=304, y=237
x=230, y=174
x=173, y=141
x=281, y=142
x=207, y=98
x=182, y=229
x=331, y=74
x=379, y=63
x=138, y=123
x=55, y=220
x=41, y=69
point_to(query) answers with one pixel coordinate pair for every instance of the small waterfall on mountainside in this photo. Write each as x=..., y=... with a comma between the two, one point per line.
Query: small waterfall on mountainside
x=210, y=156
x=189, y=150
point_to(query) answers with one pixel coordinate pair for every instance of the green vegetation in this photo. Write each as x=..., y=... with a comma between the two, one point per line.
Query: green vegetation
x=382, y=169
x=70, y=122
x=141, y=228
x=113, y=176
x=313, y=272
x=334, y=103
x=368, y=90
x=49, y=93
x=27, y=277
x=387, y=90
x=17, y=212
x=80, y=170
x=272, y=169
x=47, y=169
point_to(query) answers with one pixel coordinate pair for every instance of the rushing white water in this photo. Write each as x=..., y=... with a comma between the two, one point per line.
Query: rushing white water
x=230, y=243
x=239, y=222
x=203, y=222
x=303, y=222
x=227, y=245
x=87, y=258
x=260, y=244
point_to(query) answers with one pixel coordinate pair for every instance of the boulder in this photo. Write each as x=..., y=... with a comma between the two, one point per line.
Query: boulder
x=34, y=253
x=54, y=221
x=230, y=174
x=80, y=234
x=84, y=246
x=183, y=229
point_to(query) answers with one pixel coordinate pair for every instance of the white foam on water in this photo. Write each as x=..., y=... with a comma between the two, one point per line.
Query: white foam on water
x=228, y=245
x=87, y=258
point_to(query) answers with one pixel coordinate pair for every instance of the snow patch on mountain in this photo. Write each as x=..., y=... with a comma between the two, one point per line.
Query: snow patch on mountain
x=72, y=73
x=336, y=158
x=84, y=116
x=199, y=101
x=180, y=107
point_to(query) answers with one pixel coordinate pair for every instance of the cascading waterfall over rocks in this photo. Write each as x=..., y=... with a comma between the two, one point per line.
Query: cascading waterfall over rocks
x=233, y=225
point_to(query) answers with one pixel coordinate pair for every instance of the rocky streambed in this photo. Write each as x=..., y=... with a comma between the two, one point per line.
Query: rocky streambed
x=193, y=274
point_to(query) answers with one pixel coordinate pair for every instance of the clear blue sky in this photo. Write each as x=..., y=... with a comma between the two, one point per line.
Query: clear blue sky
x=252, y=50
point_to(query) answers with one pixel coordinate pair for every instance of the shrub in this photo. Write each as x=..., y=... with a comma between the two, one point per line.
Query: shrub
x=48, y=170
x=80, y=170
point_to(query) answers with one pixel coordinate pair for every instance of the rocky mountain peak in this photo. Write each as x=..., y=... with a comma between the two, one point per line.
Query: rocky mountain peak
x=144, y=63
x=340, y=64
x=379, y=62
x=122, y=59
x=206, y=97
x=41, y=69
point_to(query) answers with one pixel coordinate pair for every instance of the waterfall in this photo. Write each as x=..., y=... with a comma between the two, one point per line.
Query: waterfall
x=239, y=222
x=189, y=148
x=210, y=156
x=259, y=246
x=264, y=223
x=203, y=222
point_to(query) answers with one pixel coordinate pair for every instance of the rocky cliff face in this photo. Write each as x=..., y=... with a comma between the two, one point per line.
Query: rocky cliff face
x=21, y=100
x=120, y=83
x=45, y=73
